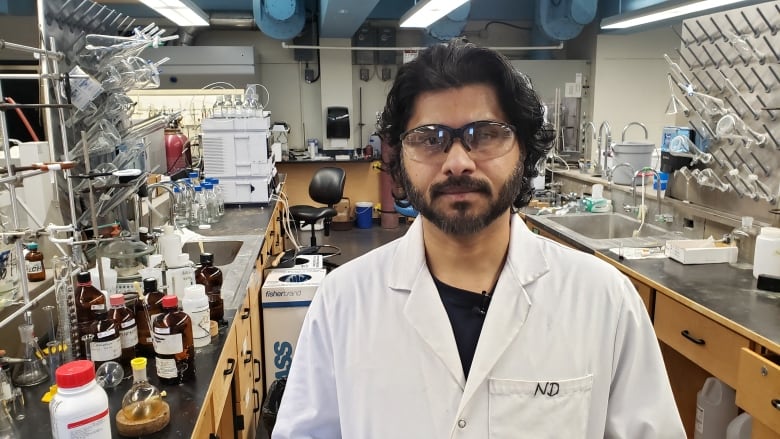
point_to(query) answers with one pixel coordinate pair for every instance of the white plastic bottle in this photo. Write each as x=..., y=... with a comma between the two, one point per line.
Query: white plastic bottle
x=170, y=246
x=79, y=409
x=766, y=258
x=196, y=305
x=741, y=427
x=715, y=408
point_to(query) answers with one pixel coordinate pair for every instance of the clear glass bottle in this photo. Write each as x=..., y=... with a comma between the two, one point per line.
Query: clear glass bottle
x=182, y=207
x=33, y=261
x=212, y=206
x=88, y=300
x=125, y=321
x=173, y=344
x=219, y=192
x=211, y=277
x=143, y=402
x=147, y=308
x=106, y=344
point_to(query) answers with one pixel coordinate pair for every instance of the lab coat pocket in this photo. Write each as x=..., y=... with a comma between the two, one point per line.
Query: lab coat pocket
x=542, y=409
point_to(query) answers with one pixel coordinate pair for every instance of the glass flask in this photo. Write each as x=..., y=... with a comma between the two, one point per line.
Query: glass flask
x=143, y=403
x=33, y=370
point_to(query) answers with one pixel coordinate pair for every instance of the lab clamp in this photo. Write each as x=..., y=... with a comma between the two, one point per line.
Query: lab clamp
x=100, y=151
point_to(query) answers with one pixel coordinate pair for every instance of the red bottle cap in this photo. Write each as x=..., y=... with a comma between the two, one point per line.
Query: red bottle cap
x=170, y=301
x=75, y=374
x=116, y=299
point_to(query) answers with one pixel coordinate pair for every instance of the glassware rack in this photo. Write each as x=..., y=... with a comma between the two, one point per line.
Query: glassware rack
x=88, y=60
x=725, y=82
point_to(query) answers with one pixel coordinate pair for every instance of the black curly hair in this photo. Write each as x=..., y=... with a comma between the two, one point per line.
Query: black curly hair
x=455, y=64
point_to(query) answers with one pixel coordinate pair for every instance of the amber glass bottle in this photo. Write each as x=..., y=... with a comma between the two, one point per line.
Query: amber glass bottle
x=33, y=261
x=126, y=325
x=146, y=310
x=173, y=344
x=211, y=277
x=88, y=300
x=106, y=345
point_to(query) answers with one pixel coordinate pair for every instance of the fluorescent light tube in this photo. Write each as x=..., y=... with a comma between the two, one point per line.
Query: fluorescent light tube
x=626, y=21
x=181, y=12
x=427, y=12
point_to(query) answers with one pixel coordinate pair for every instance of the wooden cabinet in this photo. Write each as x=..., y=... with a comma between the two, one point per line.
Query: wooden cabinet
x=646, y=293
x=713, y=347
x=222, y=380
x=758, y=389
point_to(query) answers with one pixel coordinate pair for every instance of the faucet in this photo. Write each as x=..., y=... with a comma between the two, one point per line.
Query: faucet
x=640, y=124
x=599, y=168
x=171, y=202
x=585, y=131
x=641, y=174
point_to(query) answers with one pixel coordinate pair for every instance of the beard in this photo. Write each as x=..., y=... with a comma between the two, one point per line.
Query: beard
x=463, y=221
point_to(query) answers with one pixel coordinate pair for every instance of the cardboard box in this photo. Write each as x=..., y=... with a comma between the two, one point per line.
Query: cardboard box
x=286, y=295
x=700, y=251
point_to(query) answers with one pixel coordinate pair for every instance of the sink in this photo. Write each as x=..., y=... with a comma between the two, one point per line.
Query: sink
x=224, y=251
x=605, y=225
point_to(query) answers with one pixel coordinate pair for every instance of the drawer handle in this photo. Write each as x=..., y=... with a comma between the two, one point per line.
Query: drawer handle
x=231, y=367
x=246, y=314
x=776, y=403
x=686, y=334
x=248, y=358
x=257, y=401
x=259, y=370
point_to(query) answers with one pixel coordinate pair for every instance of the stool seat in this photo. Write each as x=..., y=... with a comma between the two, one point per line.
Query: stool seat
x=311, y=214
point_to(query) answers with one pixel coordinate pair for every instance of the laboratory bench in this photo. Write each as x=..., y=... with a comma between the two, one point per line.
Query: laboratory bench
x=225, y=397
x=711, y=320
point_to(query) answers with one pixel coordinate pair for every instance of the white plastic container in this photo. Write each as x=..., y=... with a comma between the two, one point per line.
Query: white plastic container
x=170, y=246
x=196, y=305
x=715, y=408
x=766, y=258
x=741, y=427
x=79, y=409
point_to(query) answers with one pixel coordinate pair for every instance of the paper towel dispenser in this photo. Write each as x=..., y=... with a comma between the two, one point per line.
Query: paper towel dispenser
x=337, y=123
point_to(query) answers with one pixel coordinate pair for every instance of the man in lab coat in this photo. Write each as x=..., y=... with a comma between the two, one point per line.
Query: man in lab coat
x=471, y=326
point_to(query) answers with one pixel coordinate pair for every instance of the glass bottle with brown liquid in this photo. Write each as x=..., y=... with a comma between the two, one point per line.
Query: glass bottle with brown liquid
x=106, y=345
x=173, y=344
x=88, y=300
x=146, y=310
x=211, y=277
x=33, y=261
x=126, y=324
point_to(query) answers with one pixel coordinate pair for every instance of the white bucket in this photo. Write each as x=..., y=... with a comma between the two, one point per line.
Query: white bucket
x=637, y=154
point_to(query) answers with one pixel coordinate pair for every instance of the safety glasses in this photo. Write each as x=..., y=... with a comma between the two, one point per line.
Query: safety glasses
x=483, y=140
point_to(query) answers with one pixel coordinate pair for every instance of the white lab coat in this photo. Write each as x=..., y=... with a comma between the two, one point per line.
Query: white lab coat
x=566, y=351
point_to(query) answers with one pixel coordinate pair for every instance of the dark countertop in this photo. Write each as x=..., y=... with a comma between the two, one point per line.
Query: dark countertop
x=185, y=400
x=284, y=162
x=723, y=292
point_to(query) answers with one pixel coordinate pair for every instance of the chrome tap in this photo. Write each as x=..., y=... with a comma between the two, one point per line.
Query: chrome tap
x=602, y=156
x=171, y=202
x=641, y=174
x=640, y=124
x=585, y=131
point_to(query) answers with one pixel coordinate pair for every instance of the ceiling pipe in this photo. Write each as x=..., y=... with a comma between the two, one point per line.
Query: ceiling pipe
x=559, y=46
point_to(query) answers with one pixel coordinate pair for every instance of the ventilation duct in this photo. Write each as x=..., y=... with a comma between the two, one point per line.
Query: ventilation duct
x=279, y=19
x=451, y=25
x=565, y=20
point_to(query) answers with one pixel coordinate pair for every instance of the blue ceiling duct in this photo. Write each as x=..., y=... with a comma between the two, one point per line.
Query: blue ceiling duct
x=451, y=25
x=566, y=19
x=279, y=19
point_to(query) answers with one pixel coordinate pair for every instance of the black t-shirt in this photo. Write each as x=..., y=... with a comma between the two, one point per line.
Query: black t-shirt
x=465, y=310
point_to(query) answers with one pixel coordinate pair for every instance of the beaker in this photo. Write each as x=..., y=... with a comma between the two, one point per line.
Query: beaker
x=33, y=370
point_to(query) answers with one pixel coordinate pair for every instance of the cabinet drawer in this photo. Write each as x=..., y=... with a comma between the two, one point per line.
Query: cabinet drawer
x=227, y=365
x=713, y=347
x=758, y=388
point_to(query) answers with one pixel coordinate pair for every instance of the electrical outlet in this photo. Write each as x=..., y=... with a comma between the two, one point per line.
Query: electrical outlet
x=386, y=74
x=308, y=75
x=688, y=223
x=363, y=74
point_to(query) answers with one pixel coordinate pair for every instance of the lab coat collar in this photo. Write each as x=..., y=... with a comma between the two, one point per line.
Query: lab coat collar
x=508, y=311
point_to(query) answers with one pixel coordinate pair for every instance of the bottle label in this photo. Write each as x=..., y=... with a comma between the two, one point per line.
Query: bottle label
x=106, y=333
x=106, y=350
x=166, y=367
x=96, y=307
x=34, y=266
x=200, y=323
x=96, y=425
x=171, y=344
x=129, y=337
x=127, y=323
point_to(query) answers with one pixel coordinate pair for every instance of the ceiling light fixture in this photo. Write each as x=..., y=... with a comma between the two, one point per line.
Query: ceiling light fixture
x=181, y=12
x=427, y=12
x=662, y=12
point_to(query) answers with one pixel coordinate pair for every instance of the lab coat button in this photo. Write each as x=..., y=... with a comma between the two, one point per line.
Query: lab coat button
x=462, y=423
